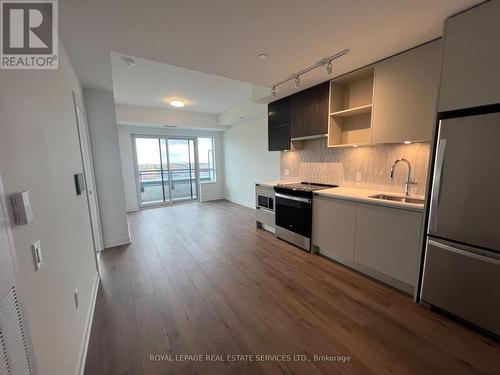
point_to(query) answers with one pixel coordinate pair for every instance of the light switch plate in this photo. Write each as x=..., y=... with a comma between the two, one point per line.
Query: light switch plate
x=287, y=172
x=37, y=254
x=358, y=176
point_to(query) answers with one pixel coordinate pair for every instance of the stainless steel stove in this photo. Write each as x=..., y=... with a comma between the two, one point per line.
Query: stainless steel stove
x=294, y=212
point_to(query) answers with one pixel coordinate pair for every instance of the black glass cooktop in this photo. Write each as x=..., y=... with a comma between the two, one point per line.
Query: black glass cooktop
x=306, y=186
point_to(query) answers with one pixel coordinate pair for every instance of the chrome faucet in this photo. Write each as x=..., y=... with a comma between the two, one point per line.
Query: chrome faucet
x=408, y=181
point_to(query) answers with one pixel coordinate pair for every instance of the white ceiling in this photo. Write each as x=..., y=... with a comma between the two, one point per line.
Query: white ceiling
x=224, y=37
x=153, y=84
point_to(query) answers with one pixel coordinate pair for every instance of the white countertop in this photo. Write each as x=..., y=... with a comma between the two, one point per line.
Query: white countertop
x=362, y=195
x=356, y=195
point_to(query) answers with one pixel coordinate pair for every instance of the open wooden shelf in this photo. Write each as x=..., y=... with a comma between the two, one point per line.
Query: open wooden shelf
x=353, y=111
x=351, y=99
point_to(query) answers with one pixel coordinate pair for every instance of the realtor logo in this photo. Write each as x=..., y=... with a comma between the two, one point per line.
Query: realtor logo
x=29, y=34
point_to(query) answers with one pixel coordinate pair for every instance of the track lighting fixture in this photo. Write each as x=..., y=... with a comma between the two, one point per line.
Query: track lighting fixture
x=326, y=62
x=328, y=67
x=296, y=82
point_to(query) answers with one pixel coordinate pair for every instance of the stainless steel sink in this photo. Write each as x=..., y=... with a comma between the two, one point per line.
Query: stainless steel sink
x=396, y=198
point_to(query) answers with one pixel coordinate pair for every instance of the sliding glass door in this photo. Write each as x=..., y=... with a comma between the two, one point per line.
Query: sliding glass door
x=182, y=167
x=166, y=169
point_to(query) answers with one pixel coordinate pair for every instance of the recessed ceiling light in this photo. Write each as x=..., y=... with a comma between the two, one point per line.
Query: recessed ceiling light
x=128, y=60
x=407, y=142
x=263, y=56
x=177, y=103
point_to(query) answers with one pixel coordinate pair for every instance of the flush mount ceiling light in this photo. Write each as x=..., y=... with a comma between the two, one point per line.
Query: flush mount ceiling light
x=296, y=82
x=326, y=62
x=177, y=103
x=263, y=56
x=128, y=60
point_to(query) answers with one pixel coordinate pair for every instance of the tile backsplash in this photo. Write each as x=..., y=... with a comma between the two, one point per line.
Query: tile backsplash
x=314, y=161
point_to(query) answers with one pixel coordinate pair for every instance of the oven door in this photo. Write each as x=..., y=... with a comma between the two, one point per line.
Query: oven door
x=294, y=214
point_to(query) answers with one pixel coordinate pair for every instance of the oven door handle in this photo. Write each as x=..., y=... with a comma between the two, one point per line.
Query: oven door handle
x=292, y=198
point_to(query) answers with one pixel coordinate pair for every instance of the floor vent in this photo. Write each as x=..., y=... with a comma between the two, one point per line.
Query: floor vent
x=14, y=358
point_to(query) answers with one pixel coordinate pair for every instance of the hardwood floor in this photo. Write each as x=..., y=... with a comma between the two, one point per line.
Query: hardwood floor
x=199, y=278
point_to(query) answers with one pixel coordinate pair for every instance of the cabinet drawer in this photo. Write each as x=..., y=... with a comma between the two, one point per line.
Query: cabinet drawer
x=264, y=217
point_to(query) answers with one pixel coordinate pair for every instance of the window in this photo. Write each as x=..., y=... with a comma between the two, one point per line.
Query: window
x=206, y=161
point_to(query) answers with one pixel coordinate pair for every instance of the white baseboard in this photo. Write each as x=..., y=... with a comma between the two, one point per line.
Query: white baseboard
x=88, y=326
x=212, y=199
x=241, y=203
x=123, y=241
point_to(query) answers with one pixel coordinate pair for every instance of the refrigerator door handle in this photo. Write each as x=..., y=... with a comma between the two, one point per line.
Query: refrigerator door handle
x=436, y=190
x=469, y=254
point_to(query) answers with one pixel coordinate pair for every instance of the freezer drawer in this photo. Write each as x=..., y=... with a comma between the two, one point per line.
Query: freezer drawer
x=464, y=282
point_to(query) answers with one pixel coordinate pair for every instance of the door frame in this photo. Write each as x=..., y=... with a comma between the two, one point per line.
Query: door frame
x=90, y=191
x=137, y=180
x=10, y=260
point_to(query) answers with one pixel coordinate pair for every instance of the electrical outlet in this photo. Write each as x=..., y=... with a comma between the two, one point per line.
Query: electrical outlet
x=358, y=176
x=37, y=254
x=75, y=296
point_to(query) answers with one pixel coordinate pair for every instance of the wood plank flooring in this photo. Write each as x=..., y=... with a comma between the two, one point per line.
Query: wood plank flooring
x=200, y=279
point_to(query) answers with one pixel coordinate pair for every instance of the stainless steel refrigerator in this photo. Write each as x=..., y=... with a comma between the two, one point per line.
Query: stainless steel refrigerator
x=461, y=273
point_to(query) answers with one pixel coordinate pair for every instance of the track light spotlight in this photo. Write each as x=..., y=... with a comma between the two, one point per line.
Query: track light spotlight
x=296, y=82
x=325, y=62
x=328, y=67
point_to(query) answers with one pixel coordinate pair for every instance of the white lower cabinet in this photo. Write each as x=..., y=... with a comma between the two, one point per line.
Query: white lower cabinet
x=388, y=240
x=334, y=223
x=382, y=242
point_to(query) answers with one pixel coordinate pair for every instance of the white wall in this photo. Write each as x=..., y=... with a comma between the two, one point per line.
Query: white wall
x=39, y=152
x=242, y=113
x=208, y=191
x=147, y=116
x=100, y=106
x=247, y=161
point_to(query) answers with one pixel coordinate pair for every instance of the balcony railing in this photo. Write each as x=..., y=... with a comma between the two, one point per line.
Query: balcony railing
x=153, y=177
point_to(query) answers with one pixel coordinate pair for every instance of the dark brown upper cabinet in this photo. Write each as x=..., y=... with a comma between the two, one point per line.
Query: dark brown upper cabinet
x=279, y=125
x=309, y=111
